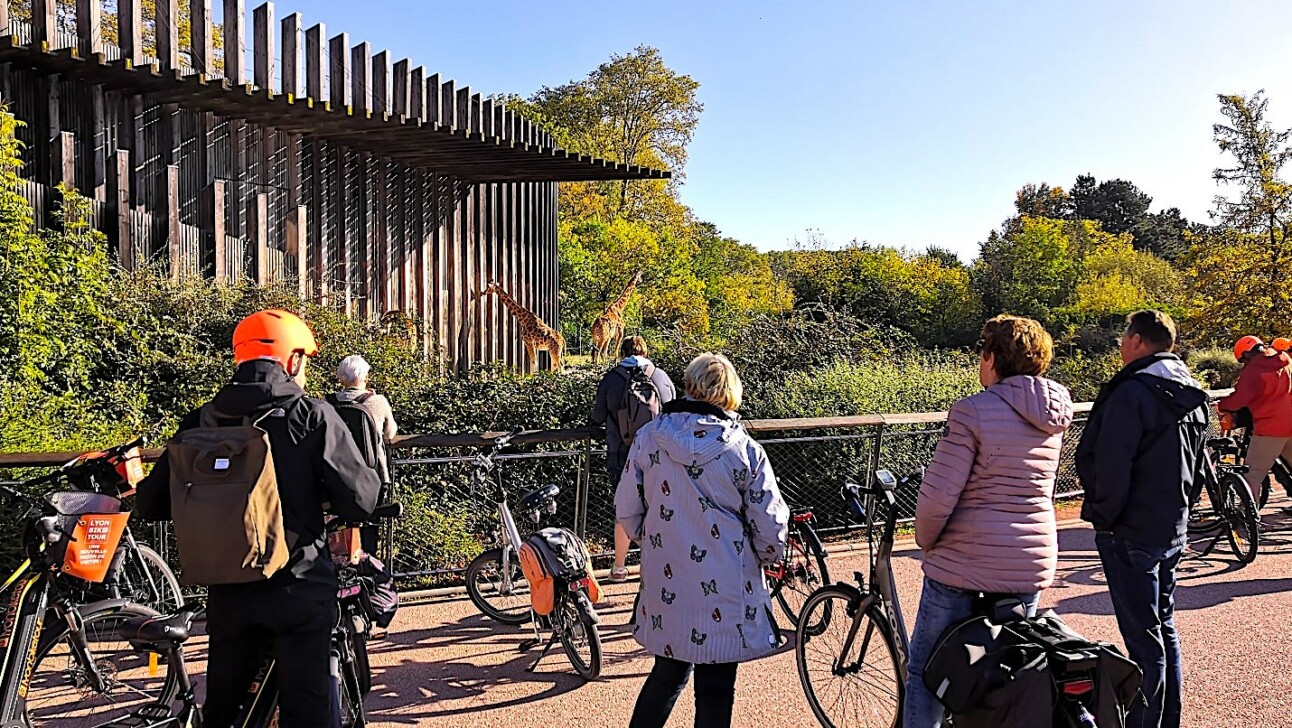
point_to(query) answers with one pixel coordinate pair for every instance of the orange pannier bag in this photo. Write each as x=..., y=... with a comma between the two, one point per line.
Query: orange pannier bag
x=552, y=553
x=345, y=546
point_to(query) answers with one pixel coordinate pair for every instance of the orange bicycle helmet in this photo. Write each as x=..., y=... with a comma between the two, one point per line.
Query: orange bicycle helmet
x=1282, y=343
x=1246, y=344
x=273, y=334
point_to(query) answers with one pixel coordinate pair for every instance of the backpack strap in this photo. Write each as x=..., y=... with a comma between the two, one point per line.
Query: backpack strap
x=363, y=397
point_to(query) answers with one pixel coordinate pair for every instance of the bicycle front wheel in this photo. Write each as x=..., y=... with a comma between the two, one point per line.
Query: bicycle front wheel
x=148, y=580
x=1239, y=510
x=502, y=599
x=848, y=663
x=61, y=694
x=804, y=572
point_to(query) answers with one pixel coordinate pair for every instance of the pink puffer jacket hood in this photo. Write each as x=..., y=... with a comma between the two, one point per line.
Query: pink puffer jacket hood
x=985, y=517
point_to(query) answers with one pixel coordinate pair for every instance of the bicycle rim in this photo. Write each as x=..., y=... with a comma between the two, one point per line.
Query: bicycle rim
x=805, y=572
x=150, y=581
x=1240, y=515
x=580, y=640
x=491, y=596
x=60, y=696
x=862, y=689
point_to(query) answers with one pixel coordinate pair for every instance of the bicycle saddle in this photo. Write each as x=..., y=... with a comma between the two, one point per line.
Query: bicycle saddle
x=159, y=630
x=537, y=497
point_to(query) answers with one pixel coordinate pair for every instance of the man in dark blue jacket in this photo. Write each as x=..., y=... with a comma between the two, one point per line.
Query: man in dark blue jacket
x=1137, y=460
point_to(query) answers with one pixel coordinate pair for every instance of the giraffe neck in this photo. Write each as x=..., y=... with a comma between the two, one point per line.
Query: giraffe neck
x=618, y=306
x=516, y=309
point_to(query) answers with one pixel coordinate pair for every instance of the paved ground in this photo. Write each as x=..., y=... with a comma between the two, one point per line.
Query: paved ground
x=445, y=665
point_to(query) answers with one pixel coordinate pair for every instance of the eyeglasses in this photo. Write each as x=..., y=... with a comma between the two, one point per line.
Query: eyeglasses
x=979, y=346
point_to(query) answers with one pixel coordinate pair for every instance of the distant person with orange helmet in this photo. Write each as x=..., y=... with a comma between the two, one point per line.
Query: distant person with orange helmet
x=1264, y=388
x=315, y=461
x=1281, y=344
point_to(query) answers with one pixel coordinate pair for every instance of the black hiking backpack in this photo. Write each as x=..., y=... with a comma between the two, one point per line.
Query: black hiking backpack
x=641, y=401
x=363, y=427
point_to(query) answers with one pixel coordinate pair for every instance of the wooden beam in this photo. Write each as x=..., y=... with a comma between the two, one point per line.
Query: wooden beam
x=44, y=21
x=381, y=83
x=89, y=27
x=292, y=25
x=314, y=69
x=399, y=88
x=173, y=248
x=130, y=31
x=434, y=99
x=235, y=41
x=261, y=233
x=338, y=51
x=167, y=28
x=417, y=93
x=262, y=22
x=361, y=78
x=218, y=213
x=121, y=205
x=203, y=55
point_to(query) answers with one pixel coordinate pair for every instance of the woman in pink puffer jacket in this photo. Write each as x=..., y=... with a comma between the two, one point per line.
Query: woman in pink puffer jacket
x=985, y=517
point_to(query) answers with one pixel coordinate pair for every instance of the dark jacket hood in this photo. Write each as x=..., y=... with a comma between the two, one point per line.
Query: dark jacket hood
x=257, y=387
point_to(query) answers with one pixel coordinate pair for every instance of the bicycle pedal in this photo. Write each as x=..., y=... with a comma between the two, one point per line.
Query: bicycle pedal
x=527, y=645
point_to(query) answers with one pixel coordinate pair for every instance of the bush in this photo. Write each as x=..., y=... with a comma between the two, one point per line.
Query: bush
x=914, y=383
x=1083, y=374
x=1215, y=367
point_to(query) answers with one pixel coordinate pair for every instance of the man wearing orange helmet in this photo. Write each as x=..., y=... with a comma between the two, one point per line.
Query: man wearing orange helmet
x=316, y=461
x=1264, y=388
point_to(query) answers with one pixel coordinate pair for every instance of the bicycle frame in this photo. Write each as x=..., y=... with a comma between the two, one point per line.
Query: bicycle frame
x=510, y=536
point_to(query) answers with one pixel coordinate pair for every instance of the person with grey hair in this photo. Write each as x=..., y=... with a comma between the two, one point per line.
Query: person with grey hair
x=353, y=373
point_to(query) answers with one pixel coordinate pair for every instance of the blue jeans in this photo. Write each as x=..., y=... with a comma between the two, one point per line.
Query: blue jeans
x=940, y=607
x=1141, y=582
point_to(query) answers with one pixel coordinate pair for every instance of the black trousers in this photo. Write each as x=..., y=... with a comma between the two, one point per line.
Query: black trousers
x=296, y=623
x=715, y=692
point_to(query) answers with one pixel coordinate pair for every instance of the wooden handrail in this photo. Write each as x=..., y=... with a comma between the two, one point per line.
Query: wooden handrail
x=580, y=434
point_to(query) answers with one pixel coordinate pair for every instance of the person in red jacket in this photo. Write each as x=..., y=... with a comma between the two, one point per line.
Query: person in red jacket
x=1264, y=387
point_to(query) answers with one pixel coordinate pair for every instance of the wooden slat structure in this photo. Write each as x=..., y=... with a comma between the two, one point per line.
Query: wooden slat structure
x=361, y=181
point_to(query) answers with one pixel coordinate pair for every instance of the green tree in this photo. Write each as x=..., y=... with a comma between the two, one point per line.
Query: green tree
x=1259, y=151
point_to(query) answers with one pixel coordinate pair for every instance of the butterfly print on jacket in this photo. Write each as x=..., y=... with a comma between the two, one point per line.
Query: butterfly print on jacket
x=717, y=614
x=656, y=622
x=665, y=513
x=698, y=554
x=740, y=476
x=698, y=637
x=751, y=613
x=710, y=588
x=706, y=504
x=657, y=540
x=667, y=596
x=740, y=629
x=715, y=532
x=654, y=458
x=740, y=546
x=757, y=496
x=664, y=488
x=694, y=470
x=668, y=571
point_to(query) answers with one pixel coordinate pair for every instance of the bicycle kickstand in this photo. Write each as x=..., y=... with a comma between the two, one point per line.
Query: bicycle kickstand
x=534, y=665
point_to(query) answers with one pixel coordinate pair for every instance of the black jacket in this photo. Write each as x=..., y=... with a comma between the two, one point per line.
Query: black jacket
x=1141, y=450
x=315, y=460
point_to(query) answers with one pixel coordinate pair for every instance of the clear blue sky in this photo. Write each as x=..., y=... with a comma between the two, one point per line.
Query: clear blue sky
x=901, y=123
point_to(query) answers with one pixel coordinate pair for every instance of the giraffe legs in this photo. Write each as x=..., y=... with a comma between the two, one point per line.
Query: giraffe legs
x=531, y=358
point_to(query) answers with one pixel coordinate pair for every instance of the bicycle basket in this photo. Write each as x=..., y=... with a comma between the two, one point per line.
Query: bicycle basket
x=96, y=524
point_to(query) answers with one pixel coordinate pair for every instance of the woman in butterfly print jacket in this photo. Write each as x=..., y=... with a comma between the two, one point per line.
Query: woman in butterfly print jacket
x=700, y=497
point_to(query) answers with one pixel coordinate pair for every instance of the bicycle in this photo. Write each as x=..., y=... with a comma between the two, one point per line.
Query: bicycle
x=166, y=635
x=138, y=573
x=802, y=571
x=852, y=648
x=495, y=583
x=1233, y=512
x=62, y=662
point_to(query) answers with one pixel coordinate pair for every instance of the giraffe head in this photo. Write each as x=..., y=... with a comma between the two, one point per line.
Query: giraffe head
x=493, y=287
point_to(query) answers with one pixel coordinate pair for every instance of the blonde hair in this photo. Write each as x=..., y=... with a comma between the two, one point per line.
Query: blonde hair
x=712, y=378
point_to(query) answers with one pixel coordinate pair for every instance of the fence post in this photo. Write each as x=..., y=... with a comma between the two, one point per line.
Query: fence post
x=582, y=491
x=875, y=454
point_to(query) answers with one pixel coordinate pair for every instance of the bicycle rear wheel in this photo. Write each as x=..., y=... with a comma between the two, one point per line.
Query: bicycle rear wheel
x=862, y=688
x=504, y=603
x=804, y=572
x=61, y=696
x=1240, y=515
x=579, y=636
x=147, y=579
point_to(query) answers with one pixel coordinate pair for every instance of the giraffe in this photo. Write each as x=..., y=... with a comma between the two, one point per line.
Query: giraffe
x=608, y=329
x=399, y=324
x=535, y=334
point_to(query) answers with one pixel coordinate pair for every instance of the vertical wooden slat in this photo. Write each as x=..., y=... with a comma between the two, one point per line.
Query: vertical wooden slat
x=262, y=22
x=292, y=27
x=417, y=94
x=339, y=68
x=421, y=251
x=448, y=104
x=434, y=100
x=64, y=149
x=314, y=63
x=361, y=78
x=173, y=249
x=381, y=235
x=89, y=27
x=381, y=83
x=235, y=41
x=121, y=203
x=167, y=27
x=477, y=125
x=399, y=88
x=203, y=53
x=499, y=119
x=4, y=17
x=462, y=106
x=130, y=28
x=261, y=232
x=439, y=264
x=43, y=21
x=298, y=222
x=216, y=221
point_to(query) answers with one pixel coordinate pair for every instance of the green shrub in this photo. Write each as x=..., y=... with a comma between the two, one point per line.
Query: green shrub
x=913, y=383
x=1083, y=374
x=1215, y=367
